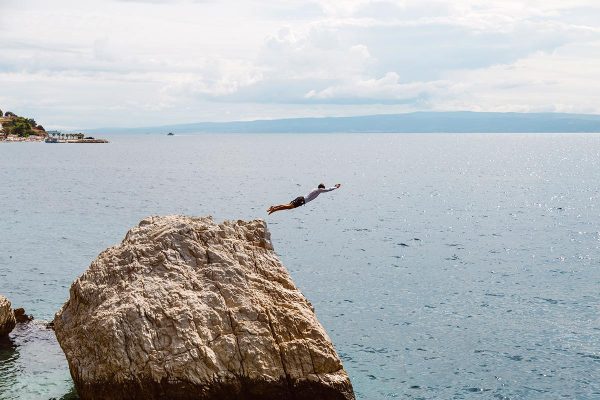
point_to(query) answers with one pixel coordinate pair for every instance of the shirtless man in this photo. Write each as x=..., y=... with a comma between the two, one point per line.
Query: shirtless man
x=302, y=200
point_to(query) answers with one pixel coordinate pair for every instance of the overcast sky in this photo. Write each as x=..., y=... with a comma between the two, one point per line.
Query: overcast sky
x=98, y=63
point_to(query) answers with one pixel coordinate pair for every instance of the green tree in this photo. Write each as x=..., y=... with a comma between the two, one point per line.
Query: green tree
x=1, y=114
x=18, y=126
x=21, y=128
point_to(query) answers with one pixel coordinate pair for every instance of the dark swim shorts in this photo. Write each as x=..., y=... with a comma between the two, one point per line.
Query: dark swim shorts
x=298, y=201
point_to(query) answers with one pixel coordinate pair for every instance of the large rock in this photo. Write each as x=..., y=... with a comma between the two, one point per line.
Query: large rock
x=7, y=318
x=184, y=308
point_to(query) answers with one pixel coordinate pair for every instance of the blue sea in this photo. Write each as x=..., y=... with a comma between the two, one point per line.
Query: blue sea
x=447, y=266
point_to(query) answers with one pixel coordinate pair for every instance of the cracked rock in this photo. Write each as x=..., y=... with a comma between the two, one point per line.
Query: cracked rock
x=185, y=308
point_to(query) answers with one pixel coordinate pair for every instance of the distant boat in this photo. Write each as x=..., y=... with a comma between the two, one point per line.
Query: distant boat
x=170, y=134
x=51, y=140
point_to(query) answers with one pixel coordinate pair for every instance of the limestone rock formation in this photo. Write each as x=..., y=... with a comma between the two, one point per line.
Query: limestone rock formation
x=185, y=308
x=7, y=318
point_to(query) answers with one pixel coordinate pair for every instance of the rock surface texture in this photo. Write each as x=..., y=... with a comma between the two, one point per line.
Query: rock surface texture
x=7, y=318
x=185, y=308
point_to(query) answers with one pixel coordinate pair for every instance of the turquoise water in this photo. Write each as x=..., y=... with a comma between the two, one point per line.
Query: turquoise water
x=446, y=267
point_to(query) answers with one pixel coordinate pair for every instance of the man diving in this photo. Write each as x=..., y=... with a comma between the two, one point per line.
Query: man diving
x=302, y=200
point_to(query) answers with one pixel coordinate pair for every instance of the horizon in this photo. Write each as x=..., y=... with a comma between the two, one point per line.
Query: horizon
x=414, y=122
x=176, y=124
x=299, y=118
x=133, y=63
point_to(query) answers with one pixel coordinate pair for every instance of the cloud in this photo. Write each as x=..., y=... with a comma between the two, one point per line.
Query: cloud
x=184, y=58
x=387, y=89
x=318, y=54
x=166, y=1
x=566, y=80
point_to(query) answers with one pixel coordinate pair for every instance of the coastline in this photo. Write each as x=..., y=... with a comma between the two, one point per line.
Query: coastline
x=52, y=140
x=14, y=139
x=20, y=129
x=42, y=139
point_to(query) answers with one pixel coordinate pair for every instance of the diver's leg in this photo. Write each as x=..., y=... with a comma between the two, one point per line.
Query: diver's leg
x=281, y=207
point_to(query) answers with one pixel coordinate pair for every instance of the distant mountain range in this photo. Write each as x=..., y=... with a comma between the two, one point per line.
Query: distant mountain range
x=418, y=122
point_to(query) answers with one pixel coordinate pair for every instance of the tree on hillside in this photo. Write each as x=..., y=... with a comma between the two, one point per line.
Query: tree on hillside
x=32, y=122
x=1, y=113
x=18, y=126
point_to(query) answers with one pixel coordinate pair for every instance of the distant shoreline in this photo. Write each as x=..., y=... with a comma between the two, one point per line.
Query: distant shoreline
x=20, y=139
x=92, y=140
x=16, y=129
x=42, y=139
x=418, y=122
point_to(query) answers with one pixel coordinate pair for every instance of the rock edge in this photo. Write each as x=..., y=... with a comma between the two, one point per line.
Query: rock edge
x=7, y=317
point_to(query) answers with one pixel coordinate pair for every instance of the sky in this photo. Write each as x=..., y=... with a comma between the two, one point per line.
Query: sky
x=106, y=63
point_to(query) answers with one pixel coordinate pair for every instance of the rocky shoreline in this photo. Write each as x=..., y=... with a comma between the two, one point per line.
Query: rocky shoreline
x=50, y=140
x=7, y=317
x=14, y=128
x=18, y=139
x=42, y=139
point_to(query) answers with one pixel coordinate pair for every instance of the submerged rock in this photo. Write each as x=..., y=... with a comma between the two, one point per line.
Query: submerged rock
x=185, y=308
x=21, y=317
x=7, y=318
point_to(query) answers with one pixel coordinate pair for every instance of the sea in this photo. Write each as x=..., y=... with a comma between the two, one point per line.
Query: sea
x=447, y=266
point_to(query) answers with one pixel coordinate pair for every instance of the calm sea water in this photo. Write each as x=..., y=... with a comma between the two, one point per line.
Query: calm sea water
x=446, y=267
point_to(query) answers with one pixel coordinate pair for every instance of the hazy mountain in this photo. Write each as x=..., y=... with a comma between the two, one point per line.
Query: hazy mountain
x=418, y=122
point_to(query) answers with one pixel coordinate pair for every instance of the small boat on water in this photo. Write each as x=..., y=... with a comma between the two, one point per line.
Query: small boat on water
x=170, y=134
x=51, y=140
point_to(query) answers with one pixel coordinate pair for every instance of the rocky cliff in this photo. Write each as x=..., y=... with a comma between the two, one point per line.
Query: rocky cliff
x=185, y=308
x=7, y=318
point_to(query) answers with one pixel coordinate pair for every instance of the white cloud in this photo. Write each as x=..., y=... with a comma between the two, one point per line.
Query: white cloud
x=154, y=60
x=567, y=80
x=384, y=90
x=318, y=54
